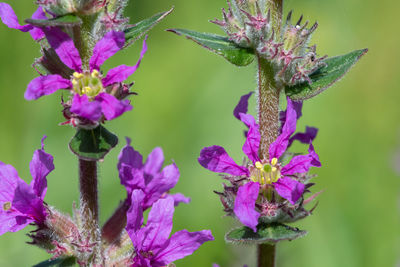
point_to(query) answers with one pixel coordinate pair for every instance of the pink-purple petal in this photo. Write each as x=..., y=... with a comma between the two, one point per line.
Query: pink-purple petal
x=37, y=33
x=159, y=224
x=242, y=106
x=154, y=162
x=135, y=213
x=121, y=73
x=298, y=164
x=245, y=202
x=289, y=189
x=182, y=244
x=10, y=19
x=252, y=143
x=180, y=198
x=90, y=110
x=64, y=47
x=40, y=166
x=306, y=137
x=45, y=85
x=215, y=158
x=13, y=222
x=110, y=44
x=281, y=143
x=112, y=107
x=315, y=162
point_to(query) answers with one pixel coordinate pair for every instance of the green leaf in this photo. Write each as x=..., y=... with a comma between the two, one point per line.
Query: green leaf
x=61, y=262
x=266, y=233
x=220, y=45
x=134, y=33
x=93, y=145
x=67, y=20
x=326, y=76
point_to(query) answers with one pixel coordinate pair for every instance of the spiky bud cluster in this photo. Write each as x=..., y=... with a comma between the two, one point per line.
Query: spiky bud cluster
x=248, y=23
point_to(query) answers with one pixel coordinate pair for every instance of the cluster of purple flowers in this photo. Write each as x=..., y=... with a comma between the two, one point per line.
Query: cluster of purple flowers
x=93, y=98
x=266, y=188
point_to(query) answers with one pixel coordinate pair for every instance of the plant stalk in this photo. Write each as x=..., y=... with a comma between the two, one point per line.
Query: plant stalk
x=276, y=9
x=89, y=204
x=266, y=255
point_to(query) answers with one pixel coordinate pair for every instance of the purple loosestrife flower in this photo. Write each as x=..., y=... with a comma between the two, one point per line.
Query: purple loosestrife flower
x=94, y=97
x=10, y=19
x=149, y=177
x=22, y=204
x=262, y=177
x=152, y=246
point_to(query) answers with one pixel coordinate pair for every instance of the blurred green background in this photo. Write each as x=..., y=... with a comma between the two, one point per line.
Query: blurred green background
x=185, y=102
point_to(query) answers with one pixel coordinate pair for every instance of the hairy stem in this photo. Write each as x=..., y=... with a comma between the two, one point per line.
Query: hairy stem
x=89, y=207
x=268, y=106
x=276, y=8
x=266, y=255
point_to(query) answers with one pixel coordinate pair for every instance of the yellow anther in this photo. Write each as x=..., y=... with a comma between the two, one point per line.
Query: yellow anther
x=274, y=169
x=7, y=206
x=259, y=165
x=78, y=75
x=95, y=74
x=86, y=89
x=274, y=161
x=74, y=82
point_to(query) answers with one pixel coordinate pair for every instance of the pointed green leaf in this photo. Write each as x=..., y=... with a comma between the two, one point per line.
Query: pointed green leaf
x=134, y=33
x=220, y=45
x=61, y=262
x=67, y=20
x=266, y=233
x=326, y=76
x=93, y=145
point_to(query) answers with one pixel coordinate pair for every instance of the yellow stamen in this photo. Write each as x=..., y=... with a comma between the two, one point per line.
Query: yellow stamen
x=7, y=206
x=78, y=75
x=274, y=169
x=95, y=74
x=259, y=165
x=86, y=89
x=274, y=161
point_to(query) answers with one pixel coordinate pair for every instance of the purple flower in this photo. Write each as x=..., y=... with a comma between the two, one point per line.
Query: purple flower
x=153, y=247
x=149, y=177
x=93, y=96
x=8, y=17
x=261, y=173
x=22, y=204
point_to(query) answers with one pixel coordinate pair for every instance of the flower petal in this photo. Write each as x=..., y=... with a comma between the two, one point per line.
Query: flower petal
x=278, y=147
x=159, y=224
x=315, y=162
x=245, y=205
x=182, y=244
x=13, y=222
x=130, y=156
x=159, y=185
x=298, y=106
x=112, y=107
x=8, y=17
x=121, y=73
x=306, y=137
x=90, y=110
x=8, y=182
x=298, y=164
x=289, y=189
x=135, y=213
x=40, y=166
x=180, y=198
x=242, y=106
x=154, y=162
x=37, y=33
x=64, y=47
x=215, y=158
x=130, y=168
x=110, y=44
x=252, y=143
x=45, y=85
x=27, y=202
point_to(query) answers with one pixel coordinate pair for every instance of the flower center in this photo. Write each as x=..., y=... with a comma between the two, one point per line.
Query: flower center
x=266, y=173
x=7, y=206
x=87, y=83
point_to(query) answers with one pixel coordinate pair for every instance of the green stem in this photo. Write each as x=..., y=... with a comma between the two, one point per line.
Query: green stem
x=268, y=106
x=89, y=204
x=266, y=255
